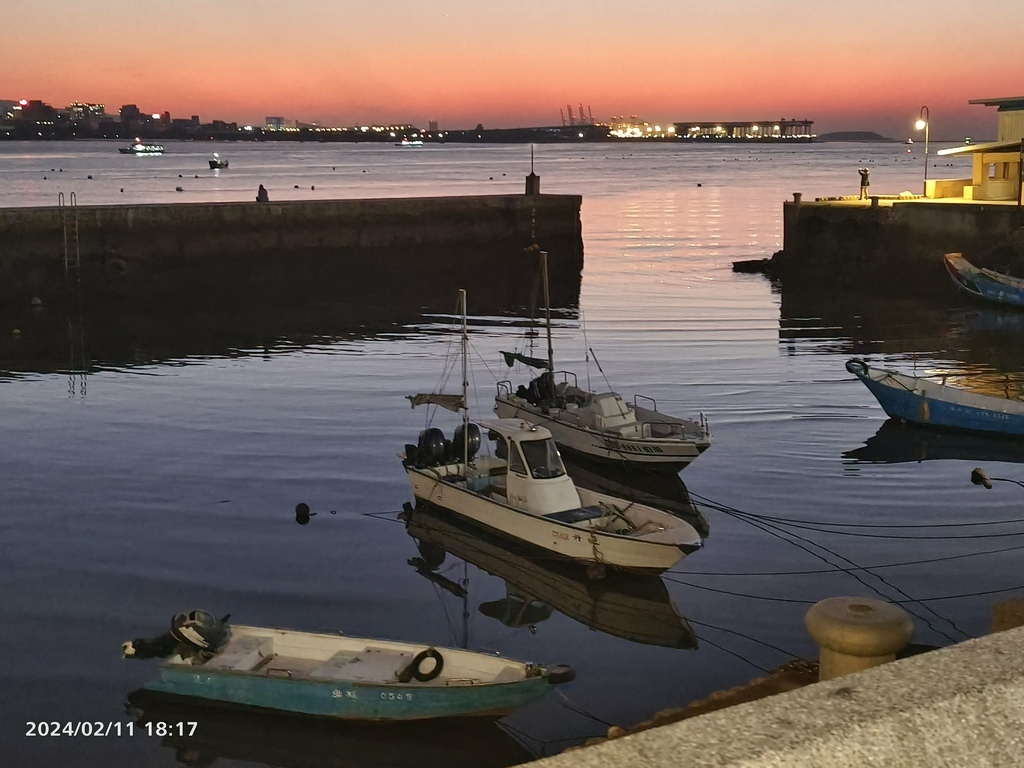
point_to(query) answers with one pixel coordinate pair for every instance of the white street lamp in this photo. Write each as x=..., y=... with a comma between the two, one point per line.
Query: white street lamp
x=922, y=125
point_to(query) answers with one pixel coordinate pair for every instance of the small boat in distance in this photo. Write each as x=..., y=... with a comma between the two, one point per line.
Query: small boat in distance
x=140, y=147
x=409, y=143
x=216, y=162
x=348, y=678
x=984, y=283
x=934, y=404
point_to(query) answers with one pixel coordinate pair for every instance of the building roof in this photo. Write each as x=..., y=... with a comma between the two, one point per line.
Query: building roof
x=988, y=146
x=1005, y=103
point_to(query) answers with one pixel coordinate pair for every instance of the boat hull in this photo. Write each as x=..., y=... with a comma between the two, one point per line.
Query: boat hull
x=653, y=454
x=346, y=700
x=936, y=405
x=562, y=539
x=984, y=283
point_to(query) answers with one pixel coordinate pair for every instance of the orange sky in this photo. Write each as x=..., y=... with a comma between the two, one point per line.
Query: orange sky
x=868, y=65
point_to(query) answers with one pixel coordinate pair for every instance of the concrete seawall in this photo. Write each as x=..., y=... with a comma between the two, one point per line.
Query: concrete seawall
x=896, y=246
x=142, y=251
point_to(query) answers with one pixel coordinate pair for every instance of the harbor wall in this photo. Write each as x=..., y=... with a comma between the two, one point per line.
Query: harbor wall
x=894, y=246
x=957, y=706
x=220, y=251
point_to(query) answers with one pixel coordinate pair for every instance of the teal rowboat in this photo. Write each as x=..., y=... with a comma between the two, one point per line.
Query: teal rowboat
x=352, y=678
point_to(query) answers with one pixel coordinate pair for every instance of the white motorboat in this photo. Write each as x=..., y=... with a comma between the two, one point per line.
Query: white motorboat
x=600, y=425
x=522, y=490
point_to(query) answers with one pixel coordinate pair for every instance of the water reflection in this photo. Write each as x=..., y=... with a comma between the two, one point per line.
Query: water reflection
x=636, y=608
x=81, y=338
x=289, y=741
x=897, y=442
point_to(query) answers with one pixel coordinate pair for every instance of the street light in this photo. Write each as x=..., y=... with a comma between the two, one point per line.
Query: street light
x=922, y=125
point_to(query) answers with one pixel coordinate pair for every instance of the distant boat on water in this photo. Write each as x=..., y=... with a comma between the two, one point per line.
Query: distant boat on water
x=217, y=162
x=409, y=143
x=140, y=147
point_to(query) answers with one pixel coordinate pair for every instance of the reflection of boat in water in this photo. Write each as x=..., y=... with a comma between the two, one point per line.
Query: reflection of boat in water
x=633, y=607
x=897, y=442
x=656, y=489
x=291, y=741
x=217, y=162
x=140, y=147
x=934, y=404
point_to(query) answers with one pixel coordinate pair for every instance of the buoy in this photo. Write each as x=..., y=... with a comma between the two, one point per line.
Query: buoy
x=88, y=177
x=178, y=189
x=302, y=513
x=36, y=301
x=856, y=633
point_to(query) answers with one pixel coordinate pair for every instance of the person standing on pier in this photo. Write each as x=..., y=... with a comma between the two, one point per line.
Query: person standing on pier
x=864, y=183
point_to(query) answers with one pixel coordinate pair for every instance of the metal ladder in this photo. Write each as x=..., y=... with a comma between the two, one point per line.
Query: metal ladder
x=69, y=223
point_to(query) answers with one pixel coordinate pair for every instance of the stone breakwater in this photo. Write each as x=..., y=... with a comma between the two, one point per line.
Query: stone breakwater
x=223, y=251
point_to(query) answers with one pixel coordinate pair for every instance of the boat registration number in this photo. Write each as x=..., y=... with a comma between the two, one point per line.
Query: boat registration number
x=615, y=445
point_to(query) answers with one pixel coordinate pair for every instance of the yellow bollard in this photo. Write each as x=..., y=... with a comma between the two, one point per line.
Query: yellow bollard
x=856, y=633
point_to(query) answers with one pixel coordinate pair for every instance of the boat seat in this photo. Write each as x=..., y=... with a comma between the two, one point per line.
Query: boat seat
x=242, y=654
x=333, y=668
x=576, y=515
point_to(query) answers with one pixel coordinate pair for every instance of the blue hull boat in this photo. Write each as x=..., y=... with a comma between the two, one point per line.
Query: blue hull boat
x=348, y=678
x=984, y=283
x=935, y=404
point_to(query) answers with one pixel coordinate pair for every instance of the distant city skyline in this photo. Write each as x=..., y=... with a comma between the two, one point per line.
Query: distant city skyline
x=868, y=66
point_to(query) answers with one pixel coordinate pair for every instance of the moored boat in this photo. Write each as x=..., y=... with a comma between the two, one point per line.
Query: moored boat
x=140, y=147
x=217, y=162
x=601, y=425
x=521, y=490
x=347, y=678
x=935, y=404
x=984, y=283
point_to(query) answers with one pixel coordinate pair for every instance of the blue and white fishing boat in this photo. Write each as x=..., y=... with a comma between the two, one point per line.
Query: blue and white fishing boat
x=348, y=678
x=935, y=404
x=984, y=283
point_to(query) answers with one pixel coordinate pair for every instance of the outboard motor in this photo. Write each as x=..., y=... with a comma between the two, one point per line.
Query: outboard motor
x=199, y=629
x=468, y=439
x=430, y=450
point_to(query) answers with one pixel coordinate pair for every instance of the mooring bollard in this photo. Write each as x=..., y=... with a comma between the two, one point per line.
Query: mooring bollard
x=874, y=201
x=797, y=196
x=856, y=633
x=533, y=184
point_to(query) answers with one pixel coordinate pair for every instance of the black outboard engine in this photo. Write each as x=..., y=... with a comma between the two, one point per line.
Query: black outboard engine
x=199, y=629
x=430, y=450
x=466, y=442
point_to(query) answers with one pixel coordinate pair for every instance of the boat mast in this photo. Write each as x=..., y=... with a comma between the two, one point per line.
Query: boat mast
x=465, y=383
x=547, y=319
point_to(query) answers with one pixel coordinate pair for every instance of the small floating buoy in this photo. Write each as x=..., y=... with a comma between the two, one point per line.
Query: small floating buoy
x=122, y=189
x=52, y=170
x=88, y=177
x=333, y=168
x=302, y=513
x=490, y=178
x=36, y=301
x=296, y=186
x=44, y=178
x=179, y=175
x=178, y=189
x=312, y=186
x=197, y=175
x=699, y=184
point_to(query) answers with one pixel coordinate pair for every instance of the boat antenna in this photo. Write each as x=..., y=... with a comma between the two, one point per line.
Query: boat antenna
x=465, y=383
x=598, y=362
x=586, y=343
x=547, y=318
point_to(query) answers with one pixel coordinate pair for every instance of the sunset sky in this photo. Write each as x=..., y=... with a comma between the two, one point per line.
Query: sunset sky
x=866, y=65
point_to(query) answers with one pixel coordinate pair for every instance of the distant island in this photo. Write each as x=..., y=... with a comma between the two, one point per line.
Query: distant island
x=853, y=136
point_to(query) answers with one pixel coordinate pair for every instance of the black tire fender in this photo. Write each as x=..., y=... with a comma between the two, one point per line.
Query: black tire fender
x=414, y=670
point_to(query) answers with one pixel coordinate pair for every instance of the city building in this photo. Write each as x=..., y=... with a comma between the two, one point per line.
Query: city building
x=996, y=165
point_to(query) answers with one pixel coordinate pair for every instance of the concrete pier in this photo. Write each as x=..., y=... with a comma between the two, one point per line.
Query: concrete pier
x=892, y=244
x=139, y=251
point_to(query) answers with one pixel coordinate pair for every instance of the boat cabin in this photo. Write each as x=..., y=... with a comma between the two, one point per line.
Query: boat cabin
x=525, y=467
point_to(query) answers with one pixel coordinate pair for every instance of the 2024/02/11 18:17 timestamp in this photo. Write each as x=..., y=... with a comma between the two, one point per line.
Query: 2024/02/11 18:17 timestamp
x=110, y=728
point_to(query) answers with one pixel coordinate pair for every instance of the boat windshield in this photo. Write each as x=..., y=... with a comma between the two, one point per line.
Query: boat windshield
x=542, y=458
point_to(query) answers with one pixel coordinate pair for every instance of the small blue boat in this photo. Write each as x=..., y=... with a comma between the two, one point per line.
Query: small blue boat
x=347, y=678
x=935, y=404
x=984, y=283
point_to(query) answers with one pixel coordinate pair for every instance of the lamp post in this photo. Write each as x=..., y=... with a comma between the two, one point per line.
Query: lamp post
x=922, y=125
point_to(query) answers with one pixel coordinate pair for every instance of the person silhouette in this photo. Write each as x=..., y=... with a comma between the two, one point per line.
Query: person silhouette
x=262, y=196
x=864, y=183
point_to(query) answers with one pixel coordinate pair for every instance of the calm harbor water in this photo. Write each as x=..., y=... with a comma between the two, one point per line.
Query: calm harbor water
x=137, y=487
